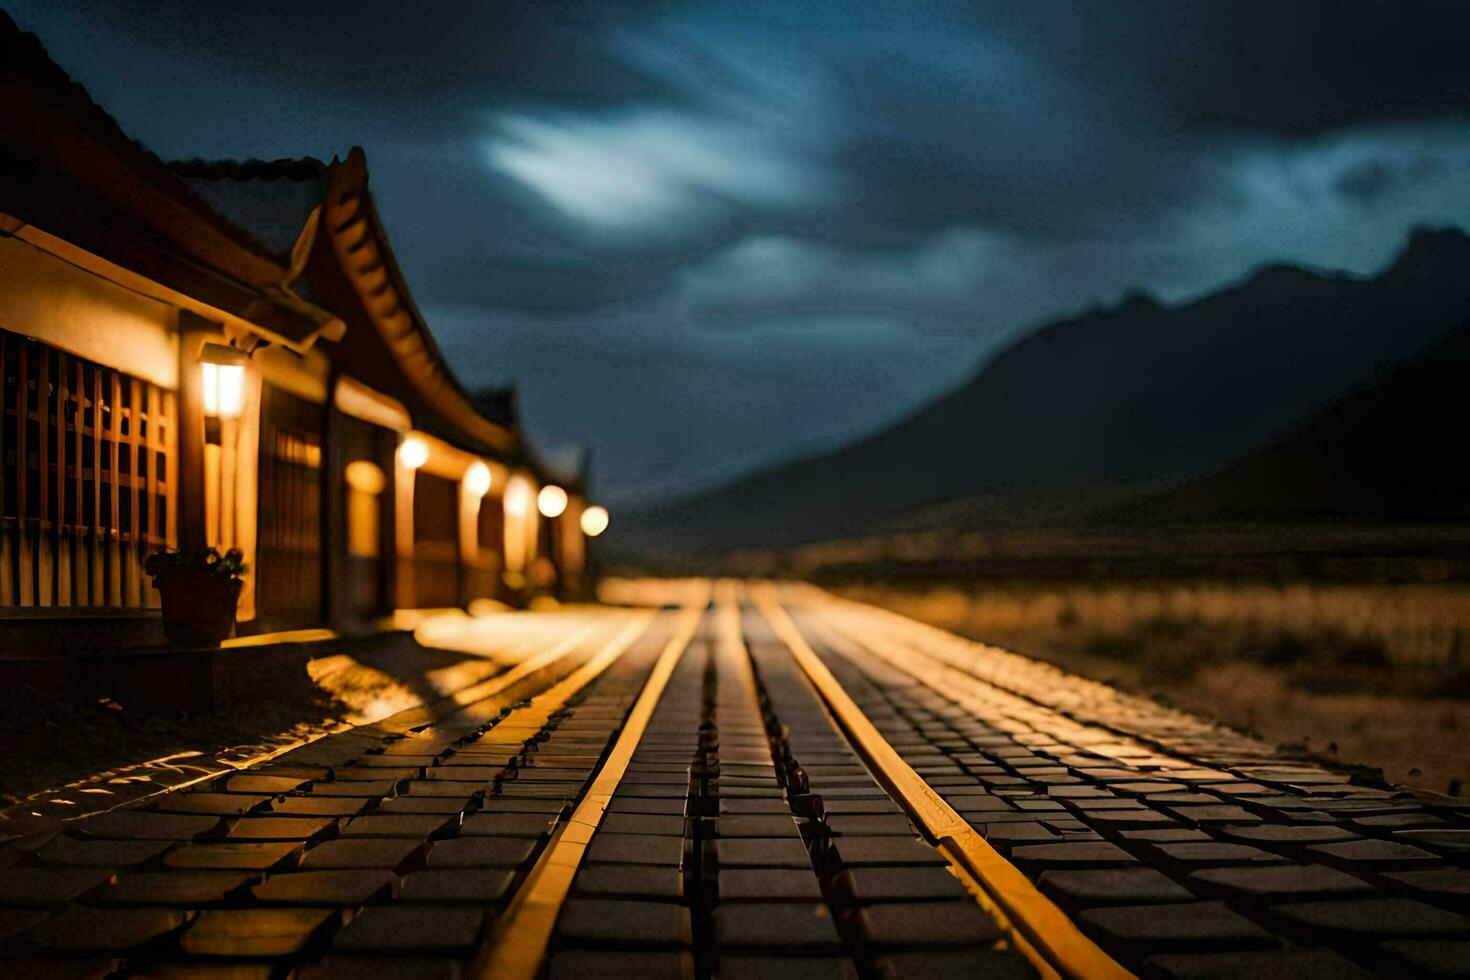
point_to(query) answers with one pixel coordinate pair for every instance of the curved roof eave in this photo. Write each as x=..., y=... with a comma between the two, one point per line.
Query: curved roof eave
x=361, y=245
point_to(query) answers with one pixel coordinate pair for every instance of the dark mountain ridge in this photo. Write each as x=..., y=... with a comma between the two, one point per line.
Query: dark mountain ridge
x=1102, y=406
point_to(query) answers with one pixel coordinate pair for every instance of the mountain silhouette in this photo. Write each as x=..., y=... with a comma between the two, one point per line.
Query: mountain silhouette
x=1388, y=452
x=1087, y=412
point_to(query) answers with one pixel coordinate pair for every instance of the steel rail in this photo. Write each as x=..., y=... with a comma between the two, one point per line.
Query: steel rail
x=1039, y=930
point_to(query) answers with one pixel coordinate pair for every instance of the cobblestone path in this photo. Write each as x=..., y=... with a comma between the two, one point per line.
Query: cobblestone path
x=756, y=782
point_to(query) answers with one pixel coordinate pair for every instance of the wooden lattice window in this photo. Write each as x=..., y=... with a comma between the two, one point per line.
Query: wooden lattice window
x=88, y=488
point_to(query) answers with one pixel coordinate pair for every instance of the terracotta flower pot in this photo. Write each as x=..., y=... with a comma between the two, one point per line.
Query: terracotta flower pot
x=198, y=607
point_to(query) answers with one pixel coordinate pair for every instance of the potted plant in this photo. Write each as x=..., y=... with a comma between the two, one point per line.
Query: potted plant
x=199, y=589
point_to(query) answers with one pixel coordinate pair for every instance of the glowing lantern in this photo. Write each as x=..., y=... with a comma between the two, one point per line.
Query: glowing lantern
x=594, y=520
x=413, y=453
x=224, y=381
x=551, y=501
x=477, y=479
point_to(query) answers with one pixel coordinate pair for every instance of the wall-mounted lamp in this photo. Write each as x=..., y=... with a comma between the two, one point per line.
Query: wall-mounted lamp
x=594, y=520
x=224, y=381
x=551, y=501
x=413, y=452
x=477, y=479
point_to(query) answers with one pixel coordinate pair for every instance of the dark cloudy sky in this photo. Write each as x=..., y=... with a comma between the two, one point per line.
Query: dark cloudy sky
x=703, y=237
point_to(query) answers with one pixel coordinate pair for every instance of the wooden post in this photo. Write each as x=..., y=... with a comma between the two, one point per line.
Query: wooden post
x=95, y=539
x=114, y=531
x=81, y=594
x=335, y=598
x=7, y=591
x=188, y=474
x=22, y=476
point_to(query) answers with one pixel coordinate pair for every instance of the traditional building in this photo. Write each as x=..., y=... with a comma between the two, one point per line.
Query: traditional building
x=227, y=354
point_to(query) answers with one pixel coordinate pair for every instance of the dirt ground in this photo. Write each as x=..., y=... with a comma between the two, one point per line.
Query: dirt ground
x=1346, y=694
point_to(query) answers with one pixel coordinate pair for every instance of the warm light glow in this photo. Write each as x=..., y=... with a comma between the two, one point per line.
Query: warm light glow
x=363, y=476
x=551, y=501
x=224, y=390
x=413, y=453
x=364, y=481
x=517, y=497
x=594, y=520
x=477, y=479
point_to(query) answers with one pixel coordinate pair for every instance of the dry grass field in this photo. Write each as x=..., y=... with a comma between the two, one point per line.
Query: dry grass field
x=1377, y=675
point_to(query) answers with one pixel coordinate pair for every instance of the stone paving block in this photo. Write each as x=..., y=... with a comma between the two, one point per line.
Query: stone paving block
x=638, y=804
x=350, y=966
x=1288, y=834
x=232, y=855
x=854, y=852
x=59, y=966
x=1286, y=964
x=441, y=788
x=756, y=825
x=360, y=852
x=262, y=784
x=1371, y=853
x=1384, y=917
x=737, y=852
x=1281, y=881
x=340, y=888
x=210, y=804
x=959, y=923
x=1440, y=958
x=531, y=825
x=1446, y=840
x=573, y=964
x=65, y=850
x=143, y=825
x=1202, y=854
x=775, y=925
x=630, y=881
x=891, y=884
x=112, y=929
x=362, y=789
x=667, y=825
x=13, y=922
x=408, y=928
x=480, y=852
x=484, y=886
x=1448, y=883
x=357, y=774
x=418, y=826
x=604, y=921
x=479, y=774
x=1084, y=854
x=247, y=933
x=318, y=806
x=1224, y=813
x=48, y=887
x=1182, y=926
x=925, y=965
x=446, y=805
x=181, y=888
x=769, y=884
x=396, y=761
x=1118, y=886
x=636, y=849
x=281, y=828
x=819, y=966
x=871, y=825
x=1140, y=818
